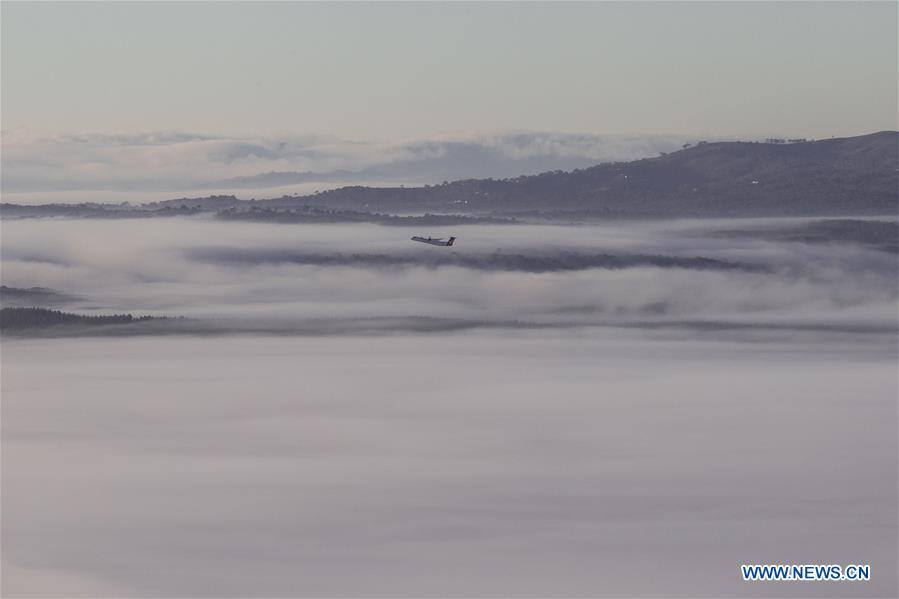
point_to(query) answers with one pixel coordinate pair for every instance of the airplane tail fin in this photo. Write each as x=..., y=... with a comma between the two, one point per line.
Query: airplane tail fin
x=451, y=241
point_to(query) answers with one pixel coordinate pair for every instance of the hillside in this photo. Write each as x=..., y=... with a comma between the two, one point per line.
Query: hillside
x=833, y=177
x=856, y=175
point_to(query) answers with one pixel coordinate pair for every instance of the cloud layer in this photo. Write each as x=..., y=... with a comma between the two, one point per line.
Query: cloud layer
x=557, y=464
x=535, y=275
x=176, y=162
x=449, y=423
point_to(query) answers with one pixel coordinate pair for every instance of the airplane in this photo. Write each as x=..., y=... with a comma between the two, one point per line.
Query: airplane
x=435, y=241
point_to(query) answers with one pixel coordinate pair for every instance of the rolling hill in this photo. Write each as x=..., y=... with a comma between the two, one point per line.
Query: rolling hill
x=857, y=175
x=834, y=177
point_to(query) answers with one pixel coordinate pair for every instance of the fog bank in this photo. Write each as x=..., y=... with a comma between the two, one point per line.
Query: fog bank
x=458, y=465
x=611, y=410
x=621, y=272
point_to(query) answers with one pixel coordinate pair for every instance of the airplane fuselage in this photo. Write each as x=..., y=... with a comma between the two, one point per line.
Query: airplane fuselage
x=435, y=241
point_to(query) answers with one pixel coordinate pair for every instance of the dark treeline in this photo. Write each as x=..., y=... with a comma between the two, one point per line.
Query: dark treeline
x=313, y=214
x=25, y=318
x=243, y=211
x=495, y=261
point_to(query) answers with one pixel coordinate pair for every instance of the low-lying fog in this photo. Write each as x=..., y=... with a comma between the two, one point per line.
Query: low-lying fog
x=692, y=400
x=615, y=273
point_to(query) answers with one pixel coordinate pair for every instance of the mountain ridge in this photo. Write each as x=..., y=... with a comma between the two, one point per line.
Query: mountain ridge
x=832, y=177
x=856, y=175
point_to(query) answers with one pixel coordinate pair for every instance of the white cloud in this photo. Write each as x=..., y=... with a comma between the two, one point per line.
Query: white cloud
x=175, y=161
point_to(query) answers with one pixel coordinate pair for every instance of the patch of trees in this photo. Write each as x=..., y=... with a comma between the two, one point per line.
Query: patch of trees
x=25, y=318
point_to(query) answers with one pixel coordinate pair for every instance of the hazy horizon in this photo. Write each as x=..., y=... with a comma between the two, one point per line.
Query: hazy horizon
x=162, y=165
x=415, y=93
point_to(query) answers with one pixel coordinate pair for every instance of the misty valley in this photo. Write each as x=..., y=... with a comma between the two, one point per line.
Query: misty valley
x=518, y=414
x=201, y=275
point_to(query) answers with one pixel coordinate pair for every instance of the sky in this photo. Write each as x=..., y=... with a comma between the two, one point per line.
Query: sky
x=397, y=71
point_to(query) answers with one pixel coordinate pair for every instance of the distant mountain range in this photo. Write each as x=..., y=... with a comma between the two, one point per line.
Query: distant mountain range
x=847, y=176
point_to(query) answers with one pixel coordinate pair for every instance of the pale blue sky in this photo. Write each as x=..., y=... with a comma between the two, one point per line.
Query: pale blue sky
x=397, y=71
